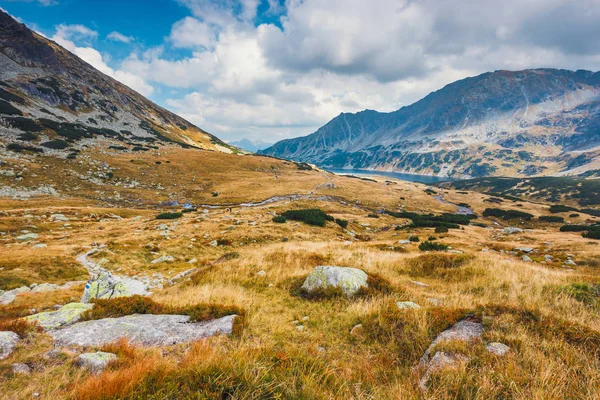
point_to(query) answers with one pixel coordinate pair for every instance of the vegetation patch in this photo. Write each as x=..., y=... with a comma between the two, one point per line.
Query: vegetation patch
x=585, y=293
x=376, y=285
x=450, y=221
x=437, y=265
x=341, y=222
x=560, y=208
x=432, y=246
x=279, y=219
x=551, y=218
x=19, y=148
x=122, y=306
x=507, y=214
x=56, y=144
x=8, y=109
x=169, y=215
x=313, y=216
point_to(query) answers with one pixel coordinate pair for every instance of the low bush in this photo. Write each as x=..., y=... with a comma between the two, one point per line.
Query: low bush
x=56, y=144
x=574, y=228
x=432, y=246
x=16, y=147
x=551, y=218
x=341, y=222
x=449, y=221
x=432, y=264
x=559, y=208
x=313, y=216
x=592, y=234
x=441, y=229
x=8, y=109
x=507, y=214
x=280, y=219
x=28, y=137
x=413, y=238
x=431, y=238
x=372, y=215
x=169, y=215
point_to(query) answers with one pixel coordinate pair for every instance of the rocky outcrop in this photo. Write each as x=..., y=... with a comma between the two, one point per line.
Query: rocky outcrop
x=145, y=330
x=66, y=315
x=349, y=280
x=8, y=343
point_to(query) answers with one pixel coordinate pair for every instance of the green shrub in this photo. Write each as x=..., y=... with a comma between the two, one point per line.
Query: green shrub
x=432, y=246
x=559, y=208
x=450, y=221
x=8, y=109
x=20, y=148
x=280, y=219
x=575, y=228
x=431, y=238
x=573, y=215
x=341, y=222
x=441, y=229
x=507, y=214
x=372, y=215
x=413, y=238
x=583, y=292
x=56, y=144
x=313, y=216
x=169, y=215
x=28, y=136
x=551, y=218
x=592, y=234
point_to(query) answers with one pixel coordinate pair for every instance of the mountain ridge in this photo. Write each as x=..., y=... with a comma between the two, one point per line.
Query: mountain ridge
x=41, y=82
x=439, y=134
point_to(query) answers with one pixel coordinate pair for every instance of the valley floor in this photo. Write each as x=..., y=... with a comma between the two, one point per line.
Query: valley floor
x=289, y=346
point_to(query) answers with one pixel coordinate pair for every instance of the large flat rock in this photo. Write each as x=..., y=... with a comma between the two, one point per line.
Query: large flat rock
x=145, y=330
x=350, y=280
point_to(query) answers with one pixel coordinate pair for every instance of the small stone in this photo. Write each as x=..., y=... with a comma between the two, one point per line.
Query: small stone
x=261, y=273
x=357, y=330
x=95, y=362
x=419, y=283
x=498, y=349
x=404, y=305
x=163, y=259
x=526, y=258
x=8, y=343
x=525, y=249
x=27, y=237
x=300, y=328
x=39, y=246
x=20, y=368
x=58, y=218
x=512, y=230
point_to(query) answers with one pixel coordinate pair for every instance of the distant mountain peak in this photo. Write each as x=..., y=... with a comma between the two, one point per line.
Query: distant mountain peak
x=517, y=123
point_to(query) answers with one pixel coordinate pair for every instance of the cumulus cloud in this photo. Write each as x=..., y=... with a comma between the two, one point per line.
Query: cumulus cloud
x=67, y=35
x=244, y=78
x=119, y=37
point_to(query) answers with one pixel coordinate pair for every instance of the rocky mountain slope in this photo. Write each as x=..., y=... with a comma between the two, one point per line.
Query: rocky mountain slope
x=53, y=102
x=503, y=123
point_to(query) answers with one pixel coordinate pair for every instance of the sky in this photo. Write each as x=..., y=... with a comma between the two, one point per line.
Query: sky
x=274, y=69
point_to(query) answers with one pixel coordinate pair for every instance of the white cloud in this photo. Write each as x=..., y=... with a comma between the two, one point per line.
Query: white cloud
x=66, y=35
x=330, y=56
x=119, y=37
x=190, y=32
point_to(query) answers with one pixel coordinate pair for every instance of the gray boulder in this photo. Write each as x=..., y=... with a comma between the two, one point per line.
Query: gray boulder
x=8, y=343
x=95, y=362
x=350, y=280
x=10, y=295
x=66, y=315
x=107, y=286
x=464, y=331
x=145, y=330
x=526, y=258
x=498, y=349
x=163, y=259
x=21, y=369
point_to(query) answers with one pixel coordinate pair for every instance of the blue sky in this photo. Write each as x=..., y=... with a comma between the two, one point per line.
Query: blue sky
x=273, y=69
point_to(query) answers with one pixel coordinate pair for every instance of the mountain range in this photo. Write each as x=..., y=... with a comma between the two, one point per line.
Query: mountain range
x=53, y=102
x=503, y=123
x=251, y=145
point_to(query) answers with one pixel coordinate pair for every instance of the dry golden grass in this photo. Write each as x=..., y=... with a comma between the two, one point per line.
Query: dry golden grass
x=554, y=337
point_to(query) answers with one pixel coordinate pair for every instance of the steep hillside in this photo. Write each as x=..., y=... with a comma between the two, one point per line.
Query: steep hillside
x=503, y=123
x=53, y=102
